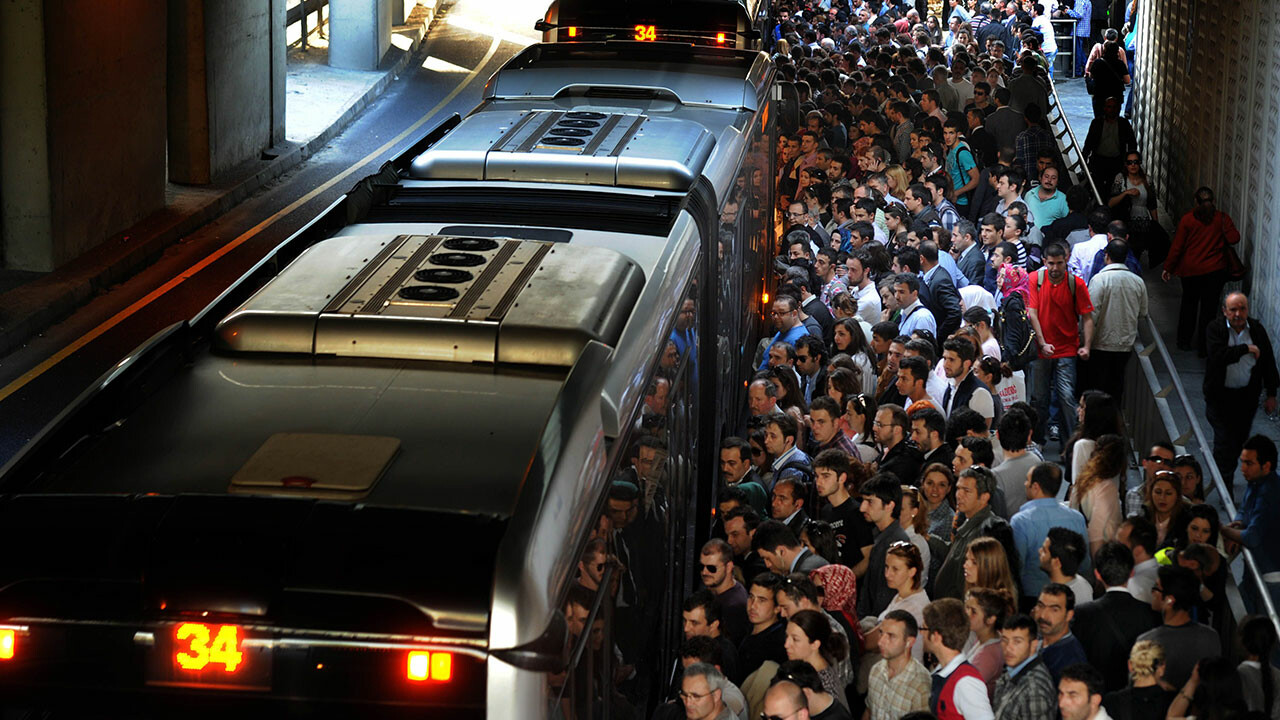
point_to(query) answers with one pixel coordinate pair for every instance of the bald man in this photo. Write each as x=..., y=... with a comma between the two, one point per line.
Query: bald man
x=1240, y=364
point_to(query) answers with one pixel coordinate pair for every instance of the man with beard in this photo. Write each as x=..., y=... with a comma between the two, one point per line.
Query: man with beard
x=717, y=576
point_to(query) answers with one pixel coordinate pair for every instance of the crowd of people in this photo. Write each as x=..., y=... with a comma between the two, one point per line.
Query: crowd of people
x=928, y=513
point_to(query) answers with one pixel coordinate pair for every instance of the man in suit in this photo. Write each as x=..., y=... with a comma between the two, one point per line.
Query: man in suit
x=1107, y=627
x=964, y=238
x=1005, y=123
x=1240, y=364
x=782, y=551
x=944, y=298
x=787, y=504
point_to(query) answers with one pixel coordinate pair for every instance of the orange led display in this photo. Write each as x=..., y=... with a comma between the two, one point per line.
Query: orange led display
x=573, y=32
x=7, y=641
x=200, y=651
x=424, y=665
x=719, y=38
x=646, y=33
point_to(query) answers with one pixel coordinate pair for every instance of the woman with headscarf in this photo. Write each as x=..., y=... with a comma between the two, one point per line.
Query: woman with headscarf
x=839, y=588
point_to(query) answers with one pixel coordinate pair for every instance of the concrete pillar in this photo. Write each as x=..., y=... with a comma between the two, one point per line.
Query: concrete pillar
x=83, y=124
x=25, y=213
x=226, y=85
x=359, y=33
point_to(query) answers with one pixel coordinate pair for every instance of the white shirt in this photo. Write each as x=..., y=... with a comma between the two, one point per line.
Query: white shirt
x=1045, y=27
x=970, y=695
x=868, y=303
x=1081, y=587
x=1239, y=371
x=1081, y=262
x=1144, y=578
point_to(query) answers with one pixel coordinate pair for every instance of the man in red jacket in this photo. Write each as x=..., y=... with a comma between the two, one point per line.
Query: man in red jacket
x=1198, y=256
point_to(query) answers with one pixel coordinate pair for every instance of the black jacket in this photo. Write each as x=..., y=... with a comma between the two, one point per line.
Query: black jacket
x=816, y=310
x=1221, y=355
x=1107, y=628
x=1128, y=141
x=904, y=461
x=964, y=392
x=944, y=302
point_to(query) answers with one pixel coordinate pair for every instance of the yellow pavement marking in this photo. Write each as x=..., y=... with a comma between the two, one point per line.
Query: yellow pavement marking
x=187, y=274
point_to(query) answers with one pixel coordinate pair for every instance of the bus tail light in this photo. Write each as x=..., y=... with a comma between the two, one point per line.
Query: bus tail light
x=8, y=639
x=423, y=665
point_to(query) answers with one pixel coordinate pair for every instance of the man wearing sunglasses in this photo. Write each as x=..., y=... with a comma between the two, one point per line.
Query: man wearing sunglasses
x=1159, y=457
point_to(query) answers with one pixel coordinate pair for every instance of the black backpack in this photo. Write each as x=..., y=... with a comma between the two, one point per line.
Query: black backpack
x=1017, y=338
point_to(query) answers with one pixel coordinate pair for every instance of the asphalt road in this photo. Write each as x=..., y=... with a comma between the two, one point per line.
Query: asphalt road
x=466, y=46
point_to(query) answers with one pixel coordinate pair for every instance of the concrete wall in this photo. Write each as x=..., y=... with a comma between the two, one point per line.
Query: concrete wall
x=359, y=33
x=226, y=71
x=88, y=159
x=1208, y=113
x=26, y=218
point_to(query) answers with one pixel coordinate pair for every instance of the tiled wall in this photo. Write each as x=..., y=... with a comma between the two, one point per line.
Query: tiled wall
x=1208, y=113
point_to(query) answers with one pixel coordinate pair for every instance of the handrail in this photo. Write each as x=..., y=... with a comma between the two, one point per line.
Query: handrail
x=1251, y=566
x=298, y=13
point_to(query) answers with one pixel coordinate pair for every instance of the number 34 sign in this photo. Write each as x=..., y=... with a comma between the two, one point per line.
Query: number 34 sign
x=204, y=645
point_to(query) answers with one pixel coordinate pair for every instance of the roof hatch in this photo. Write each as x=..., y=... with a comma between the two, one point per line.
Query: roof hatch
x=456, y=299
x=584, y=147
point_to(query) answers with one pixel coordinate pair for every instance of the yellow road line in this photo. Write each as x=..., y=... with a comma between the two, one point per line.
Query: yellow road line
x=187, y=274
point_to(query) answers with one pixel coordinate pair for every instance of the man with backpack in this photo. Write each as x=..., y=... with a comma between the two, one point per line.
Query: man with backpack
x=1062, y=316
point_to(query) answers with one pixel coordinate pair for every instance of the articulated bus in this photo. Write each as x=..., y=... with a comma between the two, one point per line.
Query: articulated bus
x=363, y=477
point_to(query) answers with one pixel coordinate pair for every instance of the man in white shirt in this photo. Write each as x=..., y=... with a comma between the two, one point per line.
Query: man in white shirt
x=1139, y=535
x=1040, y=22
x=1080, y=262
x=1119, y=302
x=858, y=278
x=915, y=316
x=1060, y=557
x=946, y=631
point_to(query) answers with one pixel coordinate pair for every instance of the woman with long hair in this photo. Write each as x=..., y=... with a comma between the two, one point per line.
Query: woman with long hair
x=1163, y=506
x=1144, y=699
x=1097, y=414
x=1096, y=492
x=904, y=573
x=1260, y=681
x=811, y=639
x=790, y=397
x=1203, y=526
x=987, y=566
x=859, y=414
x=1133, y=200
x=1213, y=692
x=843, y=383
x=848, y=338
x=1007, y=385
x=937, y=487
x=915, y=523
x=987, y=610
x=820, y=538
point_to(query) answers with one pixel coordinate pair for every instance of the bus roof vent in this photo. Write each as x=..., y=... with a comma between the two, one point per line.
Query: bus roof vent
x=456, y=299
x=583, y=146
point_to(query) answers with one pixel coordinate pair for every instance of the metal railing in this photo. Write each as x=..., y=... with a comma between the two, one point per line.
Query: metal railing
x=1143, y=411
x=299, y=14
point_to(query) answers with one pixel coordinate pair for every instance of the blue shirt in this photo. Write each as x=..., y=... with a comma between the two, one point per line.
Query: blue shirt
x=1261, y=499
x=1083, y=12
x=790, y=337
x=920, y=317
x=1031, y=526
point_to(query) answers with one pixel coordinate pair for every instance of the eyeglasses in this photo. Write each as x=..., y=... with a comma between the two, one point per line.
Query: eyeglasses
x=1130, y=162
x=1157, y=459
x=692, y=696
x=766, y=716
x=711, y=568
x=1157, y=589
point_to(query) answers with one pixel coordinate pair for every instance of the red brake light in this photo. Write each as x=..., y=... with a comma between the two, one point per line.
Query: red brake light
x=719, y=38
x=423, y=665
x=7, y=641
x=573, y=32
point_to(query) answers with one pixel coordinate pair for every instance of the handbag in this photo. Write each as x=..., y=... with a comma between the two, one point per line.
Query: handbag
x=1236, y=268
